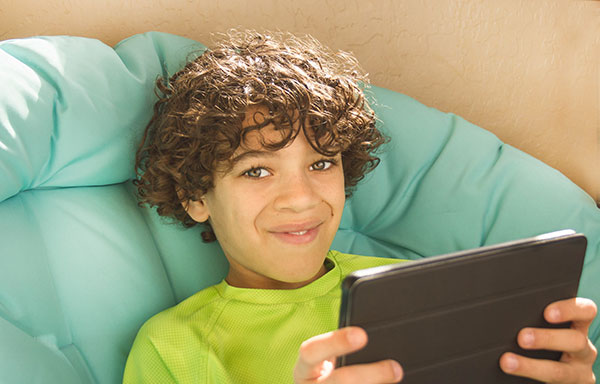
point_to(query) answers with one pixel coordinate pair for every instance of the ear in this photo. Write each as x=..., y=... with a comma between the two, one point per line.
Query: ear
x=197, y=209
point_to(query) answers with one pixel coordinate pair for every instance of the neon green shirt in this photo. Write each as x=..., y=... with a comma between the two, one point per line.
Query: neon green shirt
x=225, y=334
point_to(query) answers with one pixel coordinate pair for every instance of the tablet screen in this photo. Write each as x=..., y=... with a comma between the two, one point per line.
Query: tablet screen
x=449, y=318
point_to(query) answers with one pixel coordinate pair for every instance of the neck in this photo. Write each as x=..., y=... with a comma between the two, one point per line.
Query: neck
x=239, y=279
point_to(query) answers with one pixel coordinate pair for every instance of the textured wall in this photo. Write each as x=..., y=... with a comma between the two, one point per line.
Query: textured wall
x=528, y=70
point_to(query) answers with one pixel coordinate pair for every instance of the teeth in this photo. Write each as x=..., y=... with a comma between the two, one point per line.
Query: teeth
x=298, y=233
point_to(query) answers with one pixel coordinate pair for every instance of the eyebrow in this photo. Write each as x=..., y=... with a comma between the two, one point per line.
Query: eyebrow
x=250, y=155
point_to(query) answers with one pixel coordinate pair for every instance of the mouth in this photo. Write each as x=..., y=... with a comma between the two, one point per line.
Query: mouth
x=298, y=234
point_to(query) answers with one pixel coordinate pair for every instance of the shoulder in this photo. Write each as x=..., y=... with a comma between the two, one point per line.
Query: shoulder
x=172, y=321
x=175, y=327
x=173, y=336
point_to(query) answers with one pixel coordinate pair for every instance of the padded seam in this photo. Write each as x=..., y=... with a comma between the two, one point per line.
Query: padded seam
x=129, y=186
x=31, y=213
x=82, y=369
x=67, y=323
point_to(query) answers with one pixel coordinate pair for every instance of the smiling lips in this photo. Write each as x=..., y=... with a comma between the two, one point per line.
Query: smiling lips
x=297, y=234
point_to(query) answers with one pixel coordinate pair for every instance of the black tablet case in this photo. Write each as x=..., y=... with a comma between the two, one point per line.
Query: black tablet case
x=448, y=319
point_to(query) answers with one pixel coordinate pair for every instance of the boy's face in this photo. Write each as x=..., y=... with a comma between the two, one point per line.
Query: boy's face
x=275, y=213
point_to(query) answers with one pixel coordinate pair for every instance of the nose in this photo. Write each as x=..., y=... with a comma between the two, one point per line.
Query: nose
x=296, y=193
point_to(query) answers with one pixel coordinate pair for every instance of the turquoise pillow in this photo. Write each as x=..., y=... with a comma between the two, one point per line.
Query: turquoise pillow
x=72, y=110
x=82, y=266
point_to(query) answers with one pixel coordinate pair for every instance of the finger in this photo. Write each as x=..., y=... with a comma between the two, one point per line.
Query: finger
x=546, y=371
x=580, y=311
x=563, y=340
x=386, y=371
x=316, y=350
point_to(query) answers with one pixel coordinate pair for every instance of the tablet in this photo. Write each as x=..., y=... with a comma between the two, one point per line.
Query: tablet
x=449, y=318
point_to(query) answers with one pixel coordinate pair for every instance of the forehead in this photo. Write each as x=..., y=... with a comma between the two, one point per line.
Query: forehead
x=265, y=132
x=259, y=133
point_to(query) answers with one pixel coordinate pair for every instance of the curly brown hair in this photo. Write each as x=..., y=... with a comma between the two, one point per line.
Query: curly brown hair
x=197, y=121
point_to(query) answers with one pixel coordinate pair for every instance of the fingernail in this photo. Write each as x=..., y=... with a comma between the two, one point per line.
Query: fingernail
x=528, y=338
x=511, y=363
x=554, y=314
x=397, y=370
x=355, y=338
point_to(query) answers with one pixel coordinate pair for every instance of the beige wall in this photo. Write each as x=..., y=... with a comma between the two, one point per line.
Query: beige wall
x=527, y=70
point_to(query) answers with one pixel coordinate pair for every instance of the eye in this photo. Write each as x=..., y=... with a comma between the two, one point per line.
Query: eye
x=322, y=165
x=256, y=173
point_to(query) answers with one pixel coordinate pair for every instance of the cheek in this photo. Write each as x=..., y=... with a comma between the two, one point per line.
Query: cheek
x=245, y=213
x=338, y=193
x=338, y=209
x=332, y=193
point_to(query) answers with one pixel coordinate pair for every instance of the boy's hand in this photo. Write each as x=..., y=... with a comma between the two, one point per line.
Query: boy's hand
x=316, y=361
x=579, y=354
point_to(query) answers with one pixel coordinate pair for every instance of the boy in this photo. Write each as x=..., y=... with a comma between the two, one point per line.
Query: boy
x=261, y=139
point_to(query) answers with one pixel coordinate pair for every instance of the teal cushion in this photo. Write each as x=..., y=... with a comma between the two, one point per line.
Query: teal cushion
x=82, y=266
x=72, y=109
